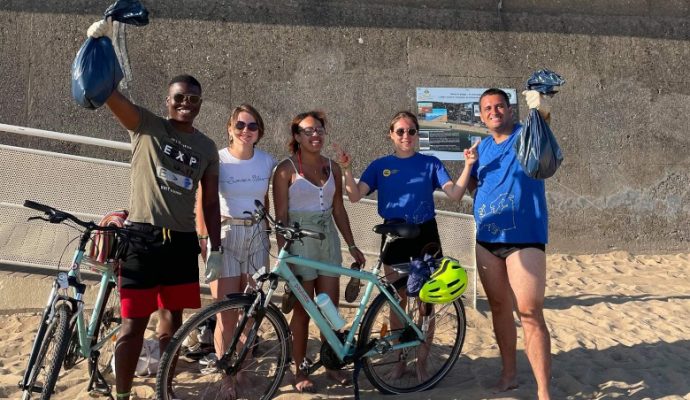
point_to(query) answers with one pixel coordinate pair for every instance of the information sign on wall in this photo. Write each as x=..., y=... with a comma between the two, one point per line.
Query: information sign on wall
x=449, y=120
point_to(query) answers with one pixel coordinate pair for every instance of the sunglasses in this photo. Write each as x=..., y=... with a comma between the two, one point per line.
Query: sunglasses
x=313, y=131
x=400, y=131
x=252, y=126
x=191, y=98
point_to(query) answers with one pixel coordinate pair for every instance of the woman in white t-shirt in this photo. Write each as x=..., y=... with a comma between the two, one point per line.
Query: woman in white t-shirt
x=244, y=176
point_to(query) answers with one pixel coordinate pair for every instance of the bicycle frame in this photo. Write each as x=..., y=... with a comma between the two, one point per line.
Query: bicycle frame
x=87, y=333
x=73, y=279
x=346, y=347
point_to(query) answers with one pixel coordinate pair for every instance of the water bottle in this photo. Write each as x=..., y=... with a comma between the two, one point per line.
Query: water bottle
x=329, y=311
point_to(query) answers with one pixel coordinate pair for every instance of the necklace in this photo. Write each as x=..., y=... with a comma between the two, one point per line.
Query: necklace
x=300, y=165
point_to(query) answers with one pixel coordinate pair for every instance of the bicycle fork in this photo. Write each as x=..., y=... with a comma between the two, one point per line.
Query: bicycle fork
x=256, y=311
x=47, y=316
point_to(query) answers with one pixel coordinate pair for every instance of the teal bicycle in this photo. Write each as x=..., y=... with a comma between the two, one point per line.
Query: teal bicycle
x=64, y=337
x=382, y=335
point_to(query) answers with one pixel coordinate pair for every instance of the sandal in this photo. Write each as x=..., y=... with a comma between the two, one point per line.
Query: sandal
x=352, y=289
x=304, y=385
x=289, y=299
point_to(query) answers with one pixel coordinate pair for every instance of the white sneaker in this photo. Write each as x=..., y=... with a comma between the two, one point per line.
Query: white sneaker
x=208, y=364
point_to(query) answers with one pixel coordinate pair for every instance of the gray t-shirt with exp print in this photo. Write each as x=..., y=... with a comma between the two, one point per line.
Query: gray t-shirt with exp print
x=167, y=165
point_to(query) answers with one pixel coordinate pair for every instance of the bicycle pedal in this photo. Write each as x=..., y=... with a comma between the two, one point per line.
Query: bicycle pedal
x=99, y=393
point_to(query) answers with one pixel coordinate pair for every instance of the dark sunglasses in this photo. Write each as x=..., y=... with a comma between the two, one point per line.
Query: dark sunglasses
x=252, y=126
x=400, y=131
x=191, y=98
x=313, y=131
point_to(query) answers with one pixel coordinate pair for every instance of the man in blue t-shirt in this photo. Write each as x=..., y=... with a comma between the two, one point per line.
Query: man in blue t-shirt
x=512, y=232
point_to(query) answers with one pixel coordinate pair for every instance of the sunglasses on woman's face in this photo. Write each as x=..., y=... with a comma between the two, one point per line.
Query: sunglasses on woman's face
x=400, y=131
x=191, y=98
x=252, y=126
x=319, y=130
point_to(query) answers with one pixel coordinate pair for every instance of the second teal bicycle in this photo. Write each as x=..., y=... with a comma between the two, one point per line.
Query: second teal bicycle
x=386, y=336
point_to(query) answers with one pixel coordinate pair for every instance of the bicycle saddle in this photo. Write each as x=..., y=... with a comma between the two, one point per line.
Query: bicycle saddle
x=402, y=230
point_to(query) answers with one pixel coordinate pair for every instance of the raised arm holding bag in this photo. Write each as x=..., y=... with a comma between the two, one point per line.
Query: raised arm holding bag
x=536, y=147
x=96, y=71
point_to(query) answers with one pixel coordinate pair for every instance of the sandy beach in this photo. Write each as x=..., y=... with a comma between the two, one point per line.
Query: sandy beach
x=620, y=327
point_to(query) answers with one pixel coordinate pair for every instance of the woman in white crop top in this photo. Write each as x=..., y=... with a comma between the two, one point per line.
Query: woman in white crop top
x=244, y=175
x=307, y=188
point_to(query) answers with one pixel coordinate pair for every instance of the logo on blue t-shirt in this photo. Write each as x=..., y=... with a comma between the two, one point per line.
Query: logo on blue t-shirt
x=502, y=212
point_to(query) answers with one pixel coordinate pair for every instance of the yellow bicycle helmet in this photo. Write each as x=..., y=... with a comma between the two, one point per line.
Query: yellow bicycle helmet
x=447, y=283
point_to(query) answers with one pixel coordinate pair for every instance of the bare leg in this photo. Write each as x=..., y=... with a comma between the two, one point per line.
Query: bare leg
x=425, y=310
x=127, y=350
x=331, y=286
x=527, y=274
x=492, y=272
x=299, y=325
x=399, y=367
x=168, y=323
x=226, y=322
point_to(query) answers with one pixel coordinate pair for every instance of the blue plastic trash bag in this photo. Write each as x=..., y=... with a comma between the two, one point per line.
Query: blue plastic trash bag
x=95, y=70
x=544, y=81
x=128, y=12
x=420, y=272
x=95, y=73
x=537, y=148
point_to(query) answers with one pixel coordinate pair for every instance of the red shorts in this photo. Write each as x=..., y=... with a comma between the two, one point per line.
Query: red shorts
x=140, y=303
x=162, y=272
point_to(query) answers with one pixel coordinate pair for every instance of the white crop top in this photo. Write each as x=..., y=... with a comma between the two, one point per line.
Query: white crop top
x=305, y=196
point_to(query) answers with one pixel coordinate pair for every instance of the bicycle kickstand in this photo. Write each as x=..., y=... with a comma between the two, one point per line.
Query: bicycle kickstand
x=97, y=383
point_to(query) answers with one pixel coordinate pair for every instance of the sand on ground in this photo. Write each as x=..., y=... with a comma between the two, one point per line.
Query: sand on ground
x=620, y=328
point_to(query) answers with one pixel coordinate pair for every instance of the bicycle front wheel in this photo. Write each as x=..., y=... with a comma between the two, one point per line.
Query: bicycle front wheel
x=109, y=321
x=51, y=353
x=417, y=368
x=189, y=368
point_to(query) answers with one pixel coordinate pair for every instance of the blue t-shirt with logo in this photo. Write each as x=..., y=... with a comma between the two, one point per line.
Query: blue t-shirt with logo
x=406, y=186
x=509, y=206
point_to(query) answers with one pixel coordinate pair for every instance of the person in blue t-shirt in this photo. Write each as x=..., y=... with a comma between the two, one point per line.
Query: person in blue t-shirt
x=512, y=232
x=405, y=182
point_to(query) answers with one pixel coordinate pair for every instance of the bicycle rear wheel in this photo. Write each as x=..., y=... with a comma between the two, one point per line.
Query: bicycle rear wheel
x=109, y=321
x=184, y=374
x=51, y=353
x=416, y=368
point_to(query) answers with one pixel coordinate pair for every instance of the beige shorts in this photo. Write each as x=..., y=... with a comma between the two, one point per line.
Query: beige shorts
x=327, y=250
x=245, y=249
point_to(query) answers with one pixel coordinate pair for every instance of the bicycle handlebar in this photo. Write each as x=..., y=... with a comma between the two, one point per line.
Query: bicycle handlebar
x=289, y=233
x=38, y=206
x=56, y=216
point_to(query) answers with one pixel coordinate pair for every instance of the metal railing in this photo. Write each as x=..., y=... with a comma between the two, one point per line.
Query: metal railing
x=90, y=187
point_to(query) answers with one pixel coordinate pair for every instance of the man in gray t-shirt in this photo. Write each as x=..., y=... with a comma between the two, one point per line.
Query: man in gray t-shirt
x=170, y=159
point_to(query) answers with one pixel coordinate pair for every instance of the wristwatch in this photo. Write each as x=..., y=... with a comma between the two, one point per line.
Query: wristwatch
x=218, y=249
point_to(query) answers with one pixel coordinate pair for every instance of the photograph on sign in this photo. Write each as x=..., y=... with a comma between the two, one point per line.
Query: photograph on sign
x=449, y=120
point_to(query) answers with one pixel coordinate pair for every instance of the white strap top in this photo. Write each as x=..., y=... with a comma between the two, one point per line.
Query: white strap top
x=305, y=196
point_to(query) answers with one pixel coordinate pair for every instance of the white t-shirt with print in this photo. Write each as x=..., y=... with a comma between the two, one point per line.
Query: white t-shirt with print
x=240, y=182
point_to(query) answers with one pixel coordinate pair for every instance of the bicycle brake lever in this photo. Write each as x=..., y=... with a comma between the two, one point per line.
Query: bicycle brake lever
x=41, y=218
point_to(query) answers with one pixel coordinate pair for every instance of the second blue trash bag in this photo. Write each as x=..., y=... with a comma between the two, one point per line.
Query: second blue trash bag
x=96, y=71
x=537, y=148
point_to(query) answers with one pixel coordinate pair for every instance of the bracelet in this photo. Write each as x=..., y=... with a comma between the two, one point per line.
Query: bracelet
x=351, y=247
x=202, y=237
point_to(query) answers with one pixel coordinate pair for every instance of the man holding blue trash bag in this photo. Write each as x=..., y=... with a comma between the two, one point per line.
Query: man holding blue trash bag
x=170, y=158
x=511, y=218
